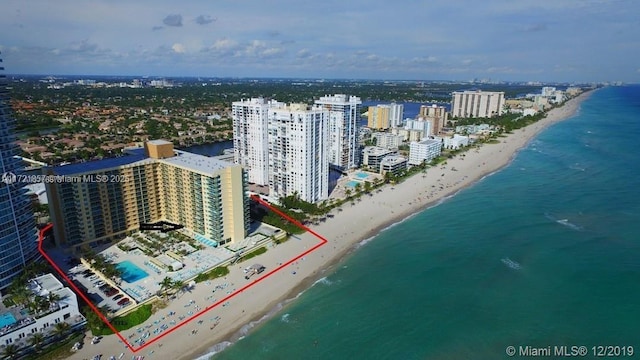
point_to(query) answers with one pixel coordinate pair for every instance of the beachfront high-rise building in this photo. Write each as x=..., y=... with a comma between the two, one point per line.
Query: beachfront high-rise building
x=425, y=126
x=18, y=233
x=298, y=152
x=250, y=137
x=100, y=201
x=437, y=115
x=470, y=104
x=396, y=114
x=344, y=112
x=378, y=117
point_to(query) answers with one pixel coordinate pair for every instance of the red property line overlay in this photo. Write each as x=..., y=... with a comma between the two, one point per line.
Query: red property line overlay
x=203, y=311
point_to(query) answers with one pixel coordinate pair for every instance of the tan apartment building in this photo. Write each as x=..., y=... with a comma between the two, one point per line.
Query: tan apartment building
x=101, y=201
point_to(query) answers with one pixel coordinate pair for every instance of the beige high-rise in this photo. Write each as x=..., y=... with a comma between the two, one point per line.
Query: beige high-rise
x=114, y=196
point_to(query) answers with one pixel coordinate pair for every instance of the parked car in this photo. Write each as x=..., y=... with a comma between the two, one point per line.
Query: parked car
x=124, y=301
x=118, y=297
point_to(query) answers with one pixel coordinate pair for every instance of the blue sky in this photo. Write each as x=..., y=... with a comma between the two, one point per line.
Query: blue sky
x=557, y=40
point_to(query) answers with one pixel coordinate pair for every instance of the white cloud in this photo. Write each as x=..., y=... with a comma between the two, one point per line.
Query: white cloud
x=178, y=48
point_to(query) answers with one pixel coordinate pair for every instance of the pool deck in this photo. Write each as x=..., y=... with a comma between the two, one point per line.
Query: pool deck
x=198, y=261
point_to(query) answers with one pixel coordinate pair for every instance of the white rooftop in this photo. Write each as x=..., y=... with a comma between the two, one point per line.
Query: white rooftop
x=197, y=163
x=376, y=150
x=393, y=160
x=44, y=284
x=159, y=142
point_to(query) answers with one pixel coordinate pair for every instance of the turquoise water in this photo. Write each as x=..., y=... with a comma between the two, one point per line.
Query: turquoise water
x=7, y=319
x=362, y=175
x=545, y=252
x=131, y=272
x=352, y=183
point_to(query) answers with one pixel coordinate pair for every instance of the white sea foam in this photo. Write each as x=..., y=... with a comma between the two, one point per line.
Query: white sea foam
x=215, y=349
x=569, y=224
x=323, y=281
x=510, y=263
x=285, y=318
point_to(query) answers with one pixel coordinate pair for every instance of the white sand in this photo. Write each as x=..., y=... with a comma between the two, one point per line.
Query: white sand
x=348, y=227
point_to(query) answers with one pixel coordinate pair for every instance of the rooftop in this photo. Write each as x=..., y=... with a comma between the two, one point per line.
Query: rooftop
x=393, y=160
x=129, y=157
x=376, y=150
x=196, y=163
x=160, y=142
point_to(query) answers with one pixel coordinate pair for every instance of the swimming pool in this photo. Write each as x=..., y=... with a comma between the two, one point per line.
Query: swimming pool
x=131, y=272
x=352, y=183
x=361, y=175
x=7, y=319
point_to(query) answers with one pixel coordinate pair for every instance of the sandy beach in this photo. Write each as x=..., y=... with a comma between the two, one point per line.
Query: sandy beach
x=344, y=231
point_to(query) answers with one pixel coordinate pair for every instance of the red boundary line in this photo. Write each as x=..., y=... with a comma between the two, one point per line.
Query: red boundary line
x=203, y=311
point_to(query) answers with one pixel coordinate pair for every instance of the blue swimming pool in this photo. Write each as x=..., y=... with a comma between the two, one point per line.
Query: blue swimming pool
x=361, y=175
x=7, y=319
x=352, y=183
x=130, y=272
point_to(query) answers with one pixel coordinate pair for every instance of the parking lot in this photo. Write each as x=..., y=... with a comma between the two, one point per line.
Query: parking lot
x=101, y=293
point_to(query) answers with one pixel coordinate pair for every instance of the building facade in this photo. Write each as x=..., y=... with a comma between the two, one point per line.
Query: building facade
x=435, y=114
x=455, y=142
x=65, y=309
x=394, y=164
x=18, y=233
x=396, y=114
x=424, y=126
x=472, y=104
x=250, y=137
x=424, y=151
x=344, y=112
x=298, y=152
x=387, y=140
x=101, y=201
x=378, y=117
x=372, y=156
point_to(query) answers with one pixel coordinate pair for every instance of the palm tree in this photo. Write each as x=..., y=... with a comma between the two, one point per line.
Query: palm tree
x=166, y=284
x=177, y=285
x=60, y=328
x=36, y=340
x=348, y=193
x=10, y=351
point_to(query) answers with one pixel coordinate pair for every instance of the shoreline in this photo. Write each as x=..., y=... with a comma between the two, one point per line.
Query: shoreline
x=383, y=209
x=306, y=283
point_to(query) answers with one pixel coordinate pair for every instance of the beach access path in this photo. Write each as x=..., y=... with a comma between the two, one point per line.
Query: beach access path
x=362, y=220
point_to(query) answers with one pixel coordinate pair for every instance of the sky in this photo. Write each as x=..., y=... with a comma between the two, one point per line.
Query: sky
x=501, y=40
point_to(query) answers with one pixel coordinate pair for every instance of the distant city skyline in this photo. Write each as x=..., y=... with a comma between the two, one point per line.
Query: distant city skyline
x=547, y=41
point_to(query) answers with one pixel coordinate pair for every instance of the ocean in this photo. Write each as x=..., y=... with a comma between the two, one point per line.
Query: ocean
x=545, y=252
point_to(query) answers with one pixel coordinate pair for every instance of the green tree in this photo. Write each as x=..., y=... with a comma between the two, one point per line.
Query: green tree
x=60, y=329
x=165, y=285
x=10, y=351
x=36, y=340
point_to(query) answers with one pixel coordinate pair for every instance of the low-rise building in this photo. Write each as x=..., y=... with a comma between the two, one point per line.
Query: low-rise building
x=455, y=142
x=394, y=164
x=62, y=307
x=372, y=156
x=424, y=151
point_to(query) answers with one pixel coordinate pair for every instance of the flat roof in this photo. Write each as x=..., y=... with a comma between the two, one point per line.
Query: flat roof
x=159, y=142
x=46, y=282
x=195, y=162
x=131, y=156
x=393, y=159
